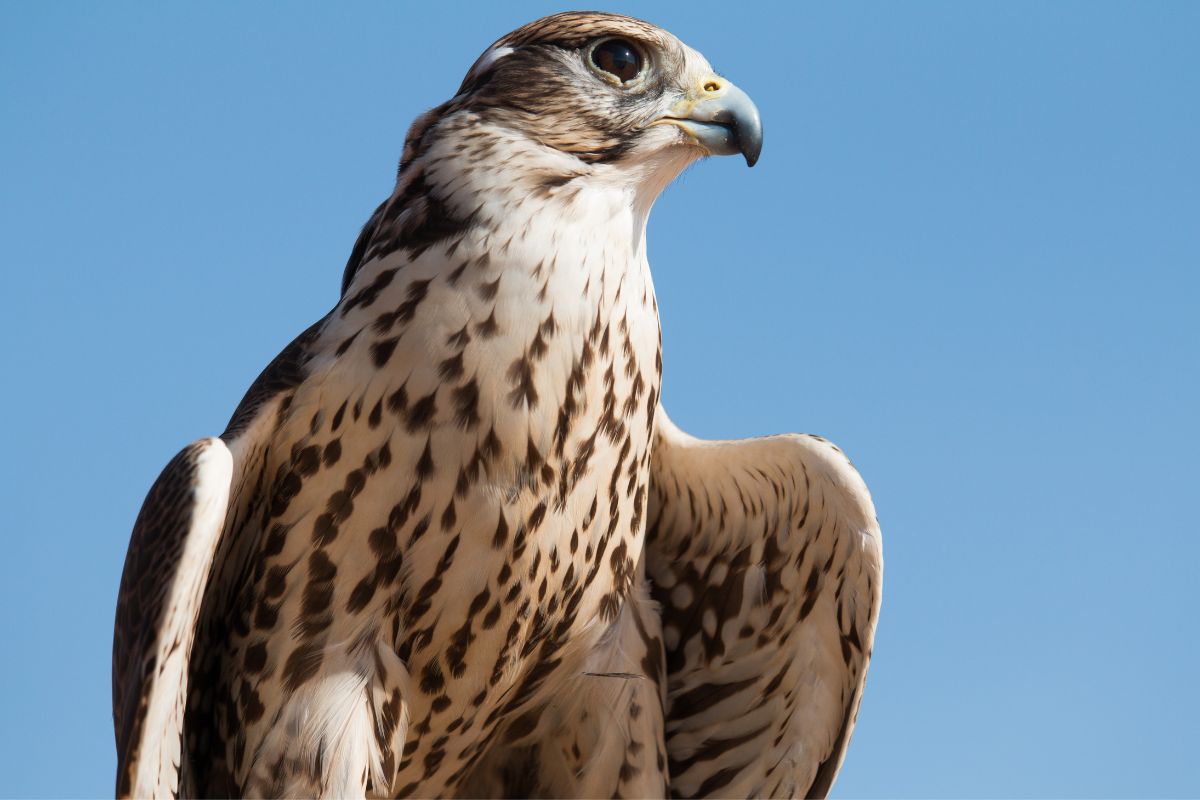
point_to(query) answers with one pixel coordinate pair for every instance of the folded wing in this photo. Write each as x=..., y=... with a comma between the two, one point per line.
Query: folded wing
x=166, y=570
x=765, y=556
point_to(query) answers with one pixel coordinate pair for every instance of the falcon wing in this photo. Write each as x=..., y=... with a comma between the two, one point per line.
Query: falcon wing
x=166, y=569
x=191, y=522
x=766, y=559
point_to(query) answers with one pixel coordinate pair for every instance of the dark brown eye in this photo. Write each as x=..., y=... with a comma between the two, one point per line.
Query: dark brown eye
x=619, y=58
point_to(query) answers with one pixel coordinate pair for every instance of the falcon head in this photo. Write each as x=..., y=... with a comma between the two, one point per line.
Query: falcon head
x=573, y=102
x=604, y=89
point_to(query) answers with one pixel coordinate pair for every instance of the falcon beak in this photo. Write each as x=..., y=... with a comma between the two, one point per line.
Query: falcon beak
x=721, y=118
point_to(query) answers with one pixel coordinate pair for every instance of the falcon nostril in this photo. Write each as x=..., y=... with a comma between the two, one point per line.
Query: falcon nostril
x=712, y=86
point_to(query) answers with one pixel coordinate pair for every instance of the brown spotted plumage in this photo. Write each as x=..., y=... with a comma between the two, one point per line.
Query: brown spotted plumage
x=450, y=545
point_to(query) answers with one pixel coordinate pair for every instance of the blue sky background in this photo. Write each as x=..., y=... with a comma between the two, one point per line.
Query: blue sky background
x=968, y=255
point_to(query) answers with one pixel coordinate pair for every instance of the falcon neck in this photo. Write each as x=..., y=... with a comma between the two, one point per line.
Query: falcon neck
x=479, y=202
x=503, y=183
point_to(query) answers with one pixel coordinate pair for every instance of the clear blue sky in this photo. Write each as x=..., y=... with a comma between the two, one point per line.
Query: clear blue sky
x=969, y=255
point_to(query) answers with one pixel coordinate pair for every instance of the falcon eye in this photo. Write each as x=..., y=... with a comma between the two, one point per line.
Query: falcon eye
x=618, y=58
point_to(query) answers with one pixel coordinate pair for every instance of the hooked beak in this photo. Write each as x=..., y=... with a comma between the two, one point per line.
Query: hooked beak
x=721, y=118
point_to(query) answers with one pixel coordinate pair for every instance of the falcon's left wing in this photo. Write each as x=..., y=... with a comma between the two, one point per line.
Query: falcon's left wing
x=166, y=569
x=765, y=557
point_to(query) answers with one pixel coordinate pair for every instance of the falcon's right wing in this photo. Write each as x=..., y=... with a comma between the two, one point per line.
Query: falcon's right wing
x=166, y=569
x=766, y=558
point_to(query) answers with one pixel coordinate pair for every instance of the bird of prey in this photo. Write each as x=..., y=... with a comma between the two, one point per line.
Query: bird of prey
x=451, y=545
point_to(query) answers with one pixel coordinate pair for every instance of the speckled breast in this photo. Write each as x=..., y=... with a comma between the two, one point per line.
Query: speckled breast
x=460, y=482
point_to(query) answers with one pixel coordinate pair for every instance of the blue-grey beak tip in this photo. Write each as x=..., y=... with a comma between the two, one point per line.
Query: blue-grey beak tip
x=751, y=145
x=748, y=131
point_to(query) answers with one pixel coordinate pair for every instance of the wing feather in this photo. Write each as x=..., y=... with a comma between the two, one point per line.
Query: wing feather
x=166, y=569
x=765, y=557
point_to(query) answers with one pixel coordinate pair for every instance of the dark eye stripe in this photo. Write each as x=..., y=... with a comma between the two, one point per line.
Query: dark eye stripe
x=619, y=58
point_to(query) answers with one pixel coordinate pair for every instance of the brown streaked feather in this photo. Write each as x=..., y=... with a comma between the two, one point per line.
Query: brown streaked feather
x=286, y=371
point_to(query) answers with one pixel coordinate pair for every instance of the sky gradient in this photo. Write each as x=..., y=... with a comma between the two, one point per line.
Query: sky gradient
x=969, y=255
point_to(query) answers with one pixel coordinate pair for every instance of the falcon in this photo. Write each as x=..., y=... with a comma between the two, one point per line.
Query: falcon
x=450, y=544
